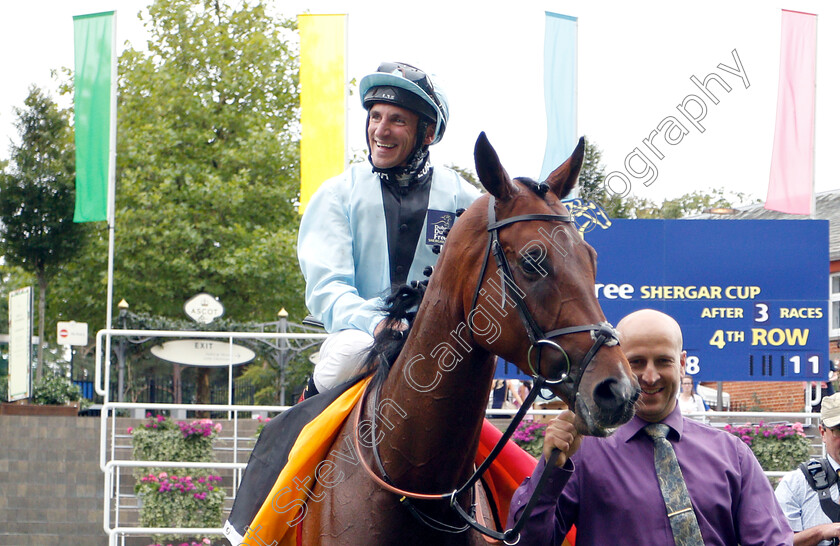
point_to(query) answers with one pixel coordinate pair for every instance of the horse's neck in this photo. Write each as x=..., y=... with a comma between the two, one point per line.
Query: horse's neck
x=431, y=406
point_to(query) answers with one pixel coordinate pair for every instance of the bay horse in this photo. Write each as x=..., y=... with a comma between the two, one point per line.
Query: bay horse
x=418, y=425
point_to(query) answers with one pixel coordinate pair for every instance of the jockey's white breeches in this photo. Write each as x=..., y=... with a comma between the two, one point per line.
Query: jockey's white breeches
x=340, y=358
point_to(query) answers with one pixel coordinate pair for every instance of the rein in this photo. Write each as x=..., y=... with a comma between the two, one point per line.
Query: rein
x=509, y=536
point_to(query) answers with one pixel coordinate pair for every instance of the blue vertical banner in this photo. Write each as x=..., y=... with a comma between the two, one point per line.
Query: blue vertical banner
x=560, y=80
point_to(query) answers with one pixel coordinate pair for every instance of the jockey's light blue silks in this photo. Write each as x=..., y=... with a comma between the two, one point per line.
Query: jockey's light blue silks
x=346, y=284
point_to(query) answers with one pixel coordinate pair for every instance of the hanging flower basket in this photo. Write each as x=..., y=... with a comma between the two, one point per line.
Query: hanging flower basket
x=779, y=447
x=182, y=497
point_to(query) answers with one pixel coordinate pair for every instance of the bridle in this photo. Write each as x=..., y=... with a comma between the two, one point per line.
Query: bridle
x=602, y=334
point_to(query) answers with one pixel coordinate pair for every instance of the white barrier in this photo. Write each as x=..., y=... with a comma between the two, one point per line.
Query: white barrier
x=111, y=466
x=108, y=462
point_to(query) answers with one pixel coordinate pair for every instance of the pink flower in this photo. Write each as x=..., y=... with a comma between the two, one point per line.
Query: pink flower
x=130, y=430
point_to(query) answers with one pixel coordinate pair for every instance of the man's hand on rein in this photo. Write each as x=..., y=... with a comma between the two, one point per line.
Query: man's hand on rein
x=561, y=434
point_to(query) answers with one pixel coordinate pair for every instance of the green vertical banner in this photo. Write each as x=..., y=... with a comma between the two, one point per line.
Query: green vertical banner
x=94, y=91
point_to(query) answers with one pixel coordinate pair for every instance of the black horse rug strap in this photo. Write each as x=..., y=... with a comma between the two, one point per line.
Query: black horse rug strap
x=821, y=476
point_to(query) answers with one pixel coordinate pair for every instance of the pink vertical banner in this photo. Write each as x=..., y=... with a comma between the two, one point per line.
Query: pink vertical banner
x=791, y=186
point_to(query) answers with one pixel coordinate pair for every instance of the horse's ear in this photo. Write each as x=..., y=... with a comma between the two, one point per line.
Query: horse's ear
x=492, y=175
x=563, y=178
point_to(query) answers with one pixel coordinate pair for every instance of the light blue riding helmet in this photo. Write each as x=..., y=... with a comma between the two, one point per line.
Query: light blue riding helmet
x=389, y=83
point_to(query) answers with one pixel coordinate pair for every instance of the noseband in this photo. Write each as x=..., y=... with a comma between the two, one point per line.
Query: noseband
x=602, y=333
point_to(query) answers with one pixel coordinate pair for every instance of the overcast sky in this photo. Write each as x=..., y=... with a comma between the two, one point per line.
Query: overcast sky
x=635, y=63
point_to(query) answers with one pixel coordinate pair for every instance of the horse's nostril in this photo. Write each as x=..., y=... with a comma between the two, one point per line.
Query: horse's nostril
x=611, y=394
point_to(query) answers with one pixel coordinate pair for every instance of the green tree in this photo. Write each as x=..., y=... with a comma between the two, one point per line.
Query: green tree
x=688, y=204
x=208, y=167
x=591, y=184
x=37, y=198
x=468, y=175
x=592, y=188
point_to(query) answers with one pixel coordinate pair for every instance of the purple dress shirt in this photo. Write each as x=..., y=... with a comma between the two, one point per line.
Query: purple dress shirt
x=609, y=490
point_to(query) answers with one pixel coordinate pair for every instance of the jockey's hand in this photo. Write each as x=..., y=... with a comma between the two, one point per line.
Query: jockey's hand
x=397, y=325
x=562, y=434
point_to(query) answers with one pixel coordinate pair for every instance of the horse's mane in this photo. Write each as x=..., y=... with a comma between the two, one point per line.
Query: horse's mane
x=400, y=306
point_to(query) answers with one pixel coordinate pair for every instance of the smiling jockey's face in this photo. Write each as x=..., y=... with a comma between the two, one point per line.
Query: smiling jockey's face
x=392, y=131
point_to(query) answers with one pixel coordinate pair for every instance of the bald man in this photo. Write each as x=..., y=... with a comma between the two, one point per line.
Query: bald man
x=608, y=487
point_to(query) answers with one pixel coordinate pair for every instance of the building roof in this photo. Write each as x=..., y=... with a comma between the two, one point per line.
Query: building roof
x=828, y=208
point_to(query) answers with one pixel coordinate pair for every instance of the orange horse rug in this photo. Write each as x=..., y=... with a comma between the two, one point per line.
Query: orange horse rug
x=271, y=500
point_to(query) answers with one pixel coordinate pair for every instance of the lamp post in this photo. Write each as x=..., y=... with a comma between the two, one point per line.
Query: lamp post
x=282, y=326
x=121, y=346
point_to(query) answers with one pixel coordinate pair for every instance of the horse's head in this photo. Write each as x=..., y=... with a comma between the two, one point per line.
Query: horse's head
x=533, y=300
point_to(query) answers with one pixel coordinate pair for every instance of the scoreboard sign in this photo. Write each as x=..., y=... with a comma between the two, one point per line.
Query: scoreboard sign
x=751, y=296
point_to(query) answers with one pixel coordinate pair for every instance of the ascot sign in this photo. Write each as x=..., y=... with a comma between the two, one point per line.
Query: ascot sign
x=204, y=308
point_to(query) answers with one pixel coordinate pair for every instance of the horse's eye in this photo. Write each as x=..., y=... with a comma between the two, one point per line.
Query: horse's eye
x=530, y=263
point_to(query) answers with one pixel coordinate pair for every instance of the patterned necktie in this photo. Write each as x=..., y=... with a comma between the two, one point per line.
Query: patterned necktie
x=671, y=483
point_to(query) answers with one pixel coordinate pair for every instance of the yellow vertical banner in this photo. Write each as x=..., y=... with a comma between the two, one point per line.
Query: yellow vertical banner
x=322, y=100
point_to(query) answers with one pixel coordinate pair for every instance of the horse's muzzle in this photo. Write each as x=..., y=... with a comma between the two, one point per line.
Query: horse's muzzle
x=610, y=405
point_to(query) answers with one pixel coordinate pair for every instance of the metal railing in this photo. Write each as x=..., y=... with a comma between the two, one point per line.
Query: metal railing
x=114, y=501
x=112, y=466
x=808, y=419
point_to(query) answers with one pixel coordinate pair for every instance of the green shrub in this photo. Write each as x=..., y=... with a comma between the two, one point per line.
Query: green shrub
x=162, y=439
x=182, y=497
x=170, y=500
x=530, y=435
x=53, y=389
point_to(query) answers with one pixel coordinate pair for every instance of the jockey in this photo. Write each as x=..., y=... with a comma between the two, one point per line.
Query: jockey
x=375, y=226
